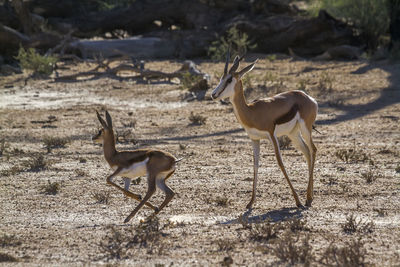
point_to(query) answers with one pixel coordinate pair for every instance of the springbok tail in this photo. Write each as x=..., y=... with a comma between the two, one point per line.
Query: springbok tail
x=315, y=129
x=177, y=160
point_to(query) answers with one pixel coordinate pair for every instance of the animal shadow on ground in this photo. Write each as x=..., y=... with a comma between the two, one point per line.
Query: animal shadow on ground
x=278, y=215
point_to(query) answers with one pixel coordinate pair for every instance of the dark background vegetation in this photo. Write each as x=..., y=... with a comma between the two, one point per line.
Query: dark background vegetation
x=197, y=28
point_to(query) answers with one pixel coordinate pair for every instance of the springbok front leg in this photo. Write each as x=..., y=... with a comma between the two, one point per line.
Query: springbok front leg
x=151, y=182
x=274, y=140
x=256, y=157
x=127, y=193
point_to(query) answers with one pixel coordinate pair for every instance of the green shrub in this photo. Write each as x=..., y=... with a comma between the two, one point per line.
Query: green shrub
x=238, y=42
x=371, y=17
x=31, y=60
x=104, y=5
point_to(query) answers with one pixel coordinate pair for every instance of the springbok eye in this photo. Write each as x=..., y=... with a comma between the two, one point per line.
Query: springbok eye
x=229, y=80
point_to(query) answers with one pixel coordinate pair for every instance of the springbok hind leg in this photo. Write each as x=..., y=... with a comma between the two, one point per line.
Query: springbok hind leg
x=127, y=193
x=280, y=163
x=169, y=194
x=300, y=144
x=306, y=133
x=151, y=182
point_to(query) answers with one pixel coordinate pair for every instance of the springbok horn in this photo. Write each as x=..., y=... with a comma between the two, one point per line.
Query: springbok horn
x=227, y=62
x=236, y=64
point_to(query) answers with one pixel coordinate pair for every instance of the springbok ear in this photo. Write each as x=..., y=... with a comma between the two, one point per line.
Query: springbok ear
x=109, y=121
x=103, y=123
x=247, y=69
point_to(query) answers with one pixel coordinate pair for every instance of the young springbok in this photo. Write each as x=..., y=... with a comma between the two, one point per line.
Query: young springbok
x=156, y=164
x=291, y=113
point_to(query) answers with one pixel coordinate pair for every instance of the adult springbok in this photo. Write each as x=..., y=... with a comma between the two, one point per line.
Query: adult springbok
x=291, y=113
x=156, y=164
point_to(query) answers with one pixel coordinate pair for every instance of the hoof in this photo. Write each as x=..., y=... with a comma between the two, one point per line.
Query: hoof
x=156, y=210
x=249, y=206
x=127, y=220
x=299, y=205
x=308, y=203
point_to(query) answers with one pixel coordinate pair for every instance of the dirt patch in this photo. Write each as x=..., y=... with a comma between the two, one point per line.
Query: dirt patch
x=357, y=171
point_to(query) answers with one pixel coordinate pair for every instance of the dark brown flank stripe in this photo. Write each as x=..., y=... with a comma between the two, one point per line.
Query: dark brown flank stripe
x=288, y=116
x=138, y=159
x=141, y=157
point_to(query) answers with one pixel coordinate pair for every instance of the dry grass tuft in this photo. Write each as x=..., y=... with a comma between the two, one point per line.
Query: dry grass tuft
x=102, y=197
x=12, y=171
x=147, y=234
x=80, y=173
x=222, y=201
x=295, y=225
x=352, y=254
x=3, y=147
x=263, y=231
x=197, y=119
x=287, y=250
x=369, y=176
x=9, y=241
x=351, y=155
x=4, y=257
x=397, y=169
x=129, y=123
x=35, y=163
x=116, y=244
x=353, y=225
x=51, y=188
x=325, y=83
x=51, y=142
x=284, y=142
x=225, y=244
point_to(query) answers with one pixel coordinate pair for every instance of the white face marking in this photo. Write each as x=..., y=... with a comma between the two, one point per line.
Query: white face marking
x=225, y=89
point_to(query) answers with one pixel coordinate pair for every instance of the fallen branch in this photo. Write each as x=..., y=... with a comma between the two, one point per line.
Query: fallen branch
x=103, y=69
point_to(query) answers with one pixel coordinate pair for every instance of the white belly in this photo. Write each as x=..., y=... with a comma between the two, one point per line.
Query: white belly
x=280, y=129
x=286, y=128
x=135, y=170
x=256, y=134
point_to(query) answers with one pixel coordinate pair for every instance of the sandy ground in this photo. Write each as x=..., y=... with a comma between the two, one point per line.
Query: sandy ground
x=355, y=217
